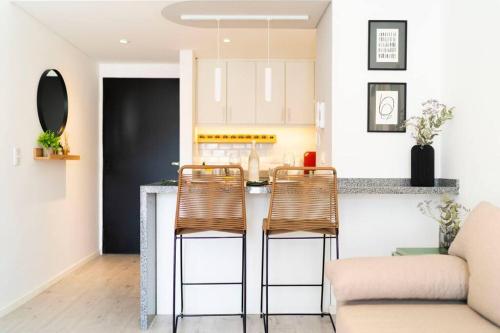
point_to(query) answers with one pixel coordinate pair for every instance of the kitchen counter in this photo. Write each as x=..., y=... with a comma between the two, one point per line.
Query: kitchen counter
x=346, y=186
x=370, y=225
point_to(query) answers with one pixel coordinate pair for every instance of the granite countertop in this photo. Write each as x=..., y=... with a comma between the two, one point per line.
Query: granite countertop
x=346, y=186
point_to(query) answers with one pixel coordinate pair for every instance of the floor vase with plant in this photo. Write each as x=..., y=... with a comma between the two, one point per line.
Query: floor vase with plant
x=425, y=129
x=450, y=216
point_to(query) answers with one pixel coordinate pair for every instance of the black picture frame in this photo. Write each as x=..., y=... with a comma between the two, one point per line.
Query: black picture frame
x=402, y=26
x=372, y=125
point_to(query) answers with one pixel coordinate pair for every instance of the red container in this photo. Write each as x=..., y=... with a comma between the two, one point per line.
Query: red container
x=309, y=159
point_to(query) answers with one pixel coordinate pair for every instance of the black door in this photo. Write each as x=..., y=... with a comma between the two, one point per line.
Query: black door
x=140, y=140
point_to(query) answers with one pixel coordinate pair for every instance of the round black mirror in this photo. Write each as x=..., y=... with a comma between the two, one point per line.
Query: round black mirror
x=52, y=102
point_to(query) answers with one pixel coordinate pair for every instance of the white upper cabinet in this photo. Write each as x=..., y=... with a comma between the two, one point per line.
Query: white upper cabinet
x=209, y=111
x=241, y=92
x=299, y=92
x=271, y=112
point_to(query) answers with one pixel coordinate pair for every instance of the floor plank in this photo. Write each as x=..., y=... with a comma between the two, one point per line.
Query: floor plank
x=103, y=297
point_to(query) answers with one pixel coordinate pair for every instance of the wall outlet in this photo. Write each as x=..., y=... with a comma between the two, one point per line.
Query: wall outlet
x=16, y=156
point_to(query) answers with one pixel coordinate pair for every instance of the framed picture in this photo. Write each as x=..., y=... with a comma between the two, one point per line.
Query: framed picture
x=386, y=107
x=387, y=45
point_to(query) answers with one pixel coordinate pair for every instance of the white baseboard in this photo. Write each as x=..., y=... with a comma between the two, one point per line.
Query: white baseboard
x=20, y=301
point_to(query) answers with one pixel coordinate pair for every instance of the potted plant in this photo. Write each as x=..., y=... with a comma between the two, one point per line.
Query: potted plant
x=450, y=216
x=424, y=129
x=49, y=141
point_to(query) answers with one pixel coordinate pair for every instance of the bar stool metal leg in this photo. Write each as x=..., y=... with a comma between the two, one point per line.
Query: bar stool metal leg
x=267, y=284
x=244, y=283
x=322, y=275
x=262, y=274
x=174, y=316
x=337, y=244
x=181, y=269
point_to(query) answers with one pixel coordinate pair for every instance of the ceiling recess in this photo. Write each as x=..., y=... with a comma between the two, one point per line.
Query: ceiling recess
x=285, y=14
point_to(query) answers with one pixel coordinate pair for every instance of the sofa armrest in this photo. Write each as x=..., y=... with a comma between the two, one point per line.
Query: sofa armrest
x=429, y=277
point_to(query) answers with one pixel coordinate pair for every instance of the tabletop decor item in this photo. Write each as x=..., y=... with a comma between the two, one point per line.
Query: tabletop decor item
x=386, y=107
x=387, y=45
x=449, y=214
x=49, y=141
x=424, y=129
x=253, y=164
x=66, y=147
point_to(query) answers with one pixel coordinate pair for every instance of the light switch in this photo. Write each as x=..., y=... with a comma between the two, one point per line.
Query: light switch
x=16, y=156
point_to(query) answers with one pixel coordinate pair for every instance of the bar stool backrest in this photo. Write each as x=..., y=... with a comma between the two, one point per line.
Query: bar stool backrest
x=211, y=198
x=304, y=199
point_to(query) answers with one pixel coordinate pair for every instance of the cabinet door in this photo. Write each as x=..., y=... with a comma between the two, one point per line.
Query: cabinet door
x=299, y=92
x=209, y=111
x=272, y=112
x=241, y=92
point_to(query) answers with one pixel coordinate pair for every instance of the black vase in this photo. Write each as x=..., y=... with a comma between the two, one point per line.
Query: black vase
x=422, y=166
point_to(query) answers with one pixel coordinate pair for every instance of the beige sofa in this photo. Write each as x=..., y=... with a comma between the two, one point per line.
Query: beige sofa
x=452, y=293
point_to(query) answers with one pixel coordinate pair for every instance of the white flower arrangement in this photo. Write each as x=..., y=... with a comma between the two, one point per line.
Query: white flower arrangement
x=427, y=126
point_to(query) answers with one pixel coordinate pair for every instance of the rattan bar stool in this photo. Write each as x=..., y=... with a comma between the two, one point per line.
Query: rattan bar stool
x=302, y=199
x=210, y=198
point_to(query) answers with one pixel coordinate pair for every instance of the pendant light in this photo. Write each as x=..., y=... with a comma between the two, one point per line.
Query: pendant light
x=268, y=72
x=218, y=69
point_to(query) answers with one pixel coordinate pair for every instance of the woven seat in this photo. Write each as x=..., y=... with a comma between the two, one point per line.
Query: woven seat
x=316, y=226
x=303, y=199
x=210, y=198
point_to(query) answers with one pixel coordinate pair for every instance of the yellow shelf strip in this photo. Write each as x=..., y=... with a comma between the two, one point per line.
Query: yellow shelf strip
x=236, y=138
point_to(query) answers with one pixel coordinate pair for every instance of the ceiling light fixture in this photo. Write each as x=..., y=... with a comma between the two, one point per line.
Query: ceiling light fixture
x=124, y=41
x=218, y=70
x=227, y=40
x=268, y=72
x=194, y=17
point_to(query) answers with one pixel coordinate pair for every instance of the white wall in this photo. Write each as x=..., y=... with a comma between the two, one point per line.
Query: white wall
x=323, y=85
x=471, y=143
x=357, y=153
x=187, y=86
x=373, y=225
x=48, y=209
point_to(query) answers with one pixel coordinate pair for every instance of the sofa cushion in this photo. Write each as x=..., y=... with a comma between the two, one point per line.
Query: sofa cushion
x=411, y=318
x=433, y=277
x=478, y=242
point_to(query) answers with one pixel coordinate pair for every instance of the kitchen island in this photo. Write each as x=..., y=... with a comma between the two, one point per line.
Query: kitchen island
x=364, y=231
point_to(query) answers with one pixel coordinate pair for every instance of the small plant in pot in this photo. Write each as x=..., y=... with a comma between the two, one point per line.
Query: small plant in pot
x=49, y=141
x=424, y=129
x=450, y=216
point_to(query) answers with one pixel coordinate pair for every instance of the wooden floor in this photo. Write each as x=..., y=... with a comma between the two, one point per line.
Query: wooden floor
x=103, y=296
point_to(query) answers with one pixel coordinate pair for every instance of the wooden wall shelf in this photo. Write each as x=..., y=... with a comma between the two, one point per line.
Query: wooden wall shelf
x=58, y=158
x=38, y=156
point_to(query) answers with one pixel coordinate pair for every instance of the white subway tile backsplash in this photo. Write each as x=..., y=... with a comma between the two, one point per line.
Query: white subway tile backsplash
x=208, y=146
x=218, y=153
x=291, y=141
x=205, y=152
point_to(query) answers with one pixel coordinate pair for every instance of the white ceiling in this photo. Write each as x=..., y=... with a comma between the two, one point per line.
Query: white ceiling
x=95, y=27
